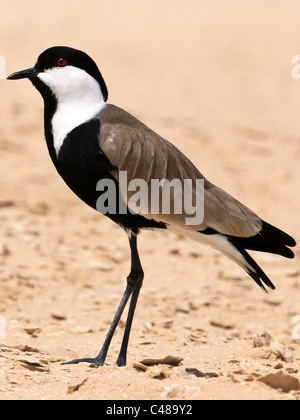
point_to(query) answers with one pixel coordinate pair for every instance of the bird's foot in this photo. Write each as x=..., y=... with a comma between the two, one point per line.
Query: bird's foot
x=97, y=362
x=121, y=362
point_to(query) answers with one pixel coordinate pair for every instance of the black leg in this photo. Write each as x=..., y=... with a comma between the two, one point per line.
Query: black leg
x=136, y=277
x=134, y=284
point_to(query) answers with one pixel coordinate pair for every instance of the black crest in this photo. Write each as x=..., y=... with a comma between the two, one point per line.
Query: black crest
x=49, y=58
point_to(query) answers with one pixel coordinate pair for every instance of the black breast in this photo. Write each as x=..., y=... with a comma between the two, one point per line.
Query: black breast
x=82, y=164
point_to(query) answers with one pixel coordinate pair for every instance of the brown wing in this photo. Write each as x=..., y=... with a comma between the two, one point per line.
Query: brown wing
x=131, y=146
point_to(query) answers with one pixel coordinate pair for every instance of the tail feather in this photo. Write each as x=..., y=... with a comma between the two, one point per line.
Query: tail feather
x=258, y=275
x=269, y=239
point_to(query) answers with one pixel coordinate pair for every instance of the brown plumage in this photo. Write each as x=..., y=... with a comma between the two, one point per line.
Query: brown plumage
x=228, y=225
x=132, y=147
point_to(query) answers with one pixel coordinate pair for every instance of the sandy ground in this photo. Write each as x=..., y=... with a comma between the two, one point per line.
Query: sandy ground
x=215, y=79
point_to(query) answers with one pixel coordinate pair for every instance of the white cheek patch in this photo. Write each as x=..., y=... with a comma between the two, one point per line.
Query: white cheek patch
x=79, y=99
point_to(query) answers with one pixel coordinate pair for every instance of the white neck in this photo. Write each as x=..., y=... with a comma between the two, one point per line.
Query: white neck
x=79, y=99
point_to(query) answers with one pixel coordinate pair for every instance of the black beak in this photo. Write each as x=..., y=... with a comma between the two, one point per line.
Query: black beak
x=24, y=74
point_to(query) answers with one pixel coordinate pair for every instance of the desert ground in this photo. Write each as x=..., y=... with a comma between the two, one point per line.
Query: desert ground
x=215, y=78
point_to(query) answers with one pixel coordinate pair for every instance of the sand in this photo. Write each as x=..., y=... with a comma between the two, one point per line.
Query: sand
x=215, y=78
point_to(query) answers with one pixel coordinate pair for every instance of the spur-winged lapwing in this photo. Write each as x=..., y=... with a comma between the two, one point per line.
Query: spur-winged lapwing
x=90, y=140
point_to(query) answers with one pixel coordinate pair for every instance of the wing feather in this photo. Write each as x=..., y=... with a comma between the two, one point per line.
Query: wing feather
x=132, y=147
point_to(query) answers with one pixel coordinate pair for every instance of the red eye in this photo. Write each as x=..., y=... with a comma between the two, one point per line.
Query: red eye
x=61, y=62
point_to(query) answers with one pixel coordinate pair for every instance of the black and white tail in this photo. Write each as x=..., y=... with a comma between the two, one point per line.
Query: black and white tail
x=269, y=239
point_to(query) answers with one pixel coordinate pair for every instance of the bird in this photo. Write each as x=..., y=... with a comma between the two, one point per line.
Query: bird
x=90, y=140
